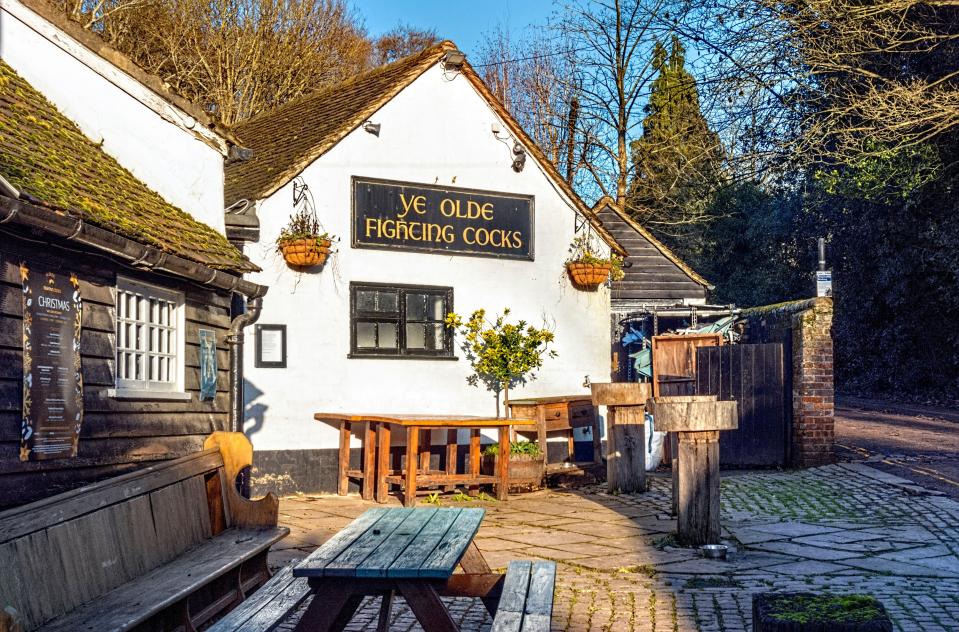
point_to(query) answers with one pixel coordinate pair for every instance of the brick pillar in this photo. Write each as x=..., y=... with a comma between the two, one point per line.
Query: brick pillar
x=813, y=391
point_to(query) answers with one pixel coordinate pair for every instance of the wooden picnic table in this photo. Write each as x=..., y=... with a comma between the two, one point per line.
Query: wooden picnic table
x=412, y=552
x=375, y=470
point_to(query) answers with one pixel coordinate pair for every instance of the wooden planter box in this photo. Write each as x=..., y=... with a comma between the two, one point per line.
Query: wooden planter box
x=808, y=618
x=304, y=253
x=526, y=473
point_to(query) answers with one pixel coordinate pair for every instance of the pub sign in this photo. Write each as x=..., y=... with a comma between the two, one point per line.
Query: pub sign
x=441, y=220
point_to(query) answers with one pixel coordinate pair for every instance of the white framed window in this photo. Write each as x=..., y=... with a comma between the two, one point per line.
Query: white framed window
x=150, y=333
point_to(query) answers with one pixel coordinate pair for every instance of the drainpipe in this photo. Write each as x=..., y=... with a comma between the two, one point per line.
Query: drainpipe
x=235, y=339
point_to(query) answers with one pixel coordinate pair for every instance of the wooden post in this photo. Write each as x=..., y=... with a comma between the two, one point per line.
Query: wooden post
x=412, y=456
x=626, y=433
x=502, y=487
x=610, y=446
x=698, y=487
x=369, y=461
x=383, y=432
x=474, y=458
x=343, y=486
x=451, y=456
x=696, y=420
x=672, y=441
x=426, y=445
x=626, y=465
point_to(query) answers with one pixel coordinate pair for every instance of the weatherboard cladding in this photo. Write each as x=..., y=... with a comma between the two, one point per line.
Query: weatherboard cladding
x=652, y=276
x=46, y=157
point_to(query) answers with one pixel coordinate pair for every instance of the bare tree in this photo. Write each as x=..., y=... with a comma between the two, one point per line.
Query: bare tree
x=240, y=57
x=528, y=75
x=90, y=13
x=401, y=41
x=613, y=42
x=828, y=79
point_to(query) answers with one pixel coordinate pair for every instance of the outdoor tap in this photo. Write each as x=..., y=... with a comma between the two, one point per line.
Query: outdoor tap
x=585, y=381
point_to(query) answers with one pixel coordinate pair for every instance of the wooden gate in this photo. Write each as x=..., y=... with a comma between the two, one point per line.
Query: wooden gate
x=751, y=374
x=674, y=362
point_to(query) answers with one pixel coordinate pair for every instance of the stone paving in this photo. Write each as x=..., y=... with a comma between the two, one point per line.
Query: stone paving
x=845, y=528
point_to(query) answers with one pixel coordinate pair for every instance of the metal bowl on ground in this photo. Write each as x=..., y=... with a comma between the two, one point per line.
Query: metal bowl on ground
x=714, y=551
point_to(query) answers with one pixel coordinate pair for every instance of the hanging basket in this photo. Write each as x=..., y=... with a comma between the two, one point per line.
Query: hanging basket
x=588, y=275
x=304, y=253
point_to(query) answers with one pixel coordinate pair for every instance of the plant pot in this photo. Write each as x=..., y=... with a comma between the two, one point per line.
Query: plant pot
x=526, y=472
x=303, y=253
x=588, y=275
x=818, y=612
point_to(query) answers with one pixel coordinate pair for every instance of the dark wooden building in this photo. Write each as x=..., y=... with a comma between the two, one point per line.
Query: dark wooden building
x=655, y=275
x=154, y=283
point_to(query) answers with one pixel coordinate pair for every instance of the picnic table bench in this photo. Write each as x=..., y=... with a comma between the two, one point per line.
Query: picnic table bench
x=410, y=552
x=166, y=547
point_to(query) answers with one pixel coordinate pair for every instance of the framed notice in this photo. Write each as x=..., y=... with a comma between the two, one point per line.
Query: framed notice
x=207, y=364
x=52, y=409
x=441, y=220
x=270, y=346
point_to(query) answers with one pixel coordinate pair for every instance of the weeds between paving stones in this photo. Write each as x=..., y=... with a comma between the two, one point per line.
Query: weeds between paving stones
x=697, y=583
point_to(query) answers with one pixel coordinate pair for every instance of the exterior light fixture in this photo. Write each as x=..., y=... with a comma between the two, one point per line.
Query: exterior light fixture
x=519, y=157
x=371, y=128
x=454, y=59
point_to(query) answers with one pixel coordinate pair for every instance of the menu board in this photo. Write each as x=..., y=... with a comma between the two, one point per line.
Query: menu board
x=207, y=365
x=52, y=409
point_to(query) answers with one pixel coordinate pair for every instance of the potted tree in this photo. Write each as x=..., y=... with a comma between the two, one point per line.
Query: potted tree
x=502, y=354
x=588, y=268
x=302, y=242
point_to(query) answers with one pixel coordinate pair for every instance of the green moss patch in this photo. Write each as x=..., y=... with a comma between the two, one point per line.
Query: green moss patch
x=820, y=611
x=46, y=156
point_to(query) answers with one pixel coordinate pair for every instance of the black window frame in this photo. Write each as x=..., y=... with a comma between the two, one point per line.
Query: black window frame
x=400, y=319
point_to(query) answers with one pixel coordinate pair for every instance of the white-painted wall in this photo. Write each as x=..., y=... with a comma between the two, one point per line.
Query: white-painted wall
x=437, y=131
x=143, y=132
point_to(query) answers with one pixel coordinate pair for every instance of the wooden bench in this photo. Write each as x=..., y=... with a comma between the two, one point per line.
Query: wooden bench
x=163, y=548
x=525, y=604
x=527, y=600
x=268, y=606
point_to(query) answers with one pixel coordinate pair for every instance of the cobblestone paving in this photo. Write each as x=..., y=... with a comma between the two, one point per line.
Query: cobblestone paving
x=845, y=528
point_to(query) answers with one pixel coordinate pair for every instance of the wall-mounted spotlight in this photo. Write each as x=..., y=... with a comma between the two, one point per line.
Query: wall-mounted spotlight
x=519, y=157
x=454, y=59
x=371, y=128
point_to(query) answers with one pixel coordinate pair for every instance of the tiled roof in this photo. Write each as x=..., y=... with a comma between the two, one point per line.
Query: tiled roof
x=287, y=139
x=44, y=155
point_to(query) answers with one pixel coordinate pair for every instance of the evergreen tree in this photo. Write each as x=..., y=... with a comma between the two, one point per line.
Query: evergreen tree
x=677, y=162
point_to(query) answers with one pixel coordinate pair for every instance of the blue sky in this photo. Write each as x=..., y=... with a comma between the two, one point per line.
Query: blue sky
x=463, y=22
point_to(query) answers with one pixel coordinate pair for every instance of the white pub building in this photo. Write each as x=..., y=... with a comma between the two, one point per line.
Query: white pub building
x=440, y=203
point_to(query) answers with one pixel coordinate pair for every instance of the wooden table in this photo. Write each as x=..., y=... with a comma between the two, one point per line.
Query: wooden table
x=375, y=471
x=412, y=552
x=559, y=414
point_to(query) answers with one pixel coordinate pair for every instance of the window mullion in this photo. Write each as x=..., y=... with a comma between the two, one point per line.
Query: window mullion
x=401, y=325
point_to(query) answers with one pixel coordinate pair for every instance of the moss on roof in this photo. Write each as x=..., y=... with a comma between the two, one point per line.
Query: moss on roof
x=45, y=155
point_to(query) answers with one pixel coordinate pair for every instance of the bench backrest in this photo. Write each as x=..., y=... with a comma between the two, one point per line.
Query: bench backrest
x=62, y=551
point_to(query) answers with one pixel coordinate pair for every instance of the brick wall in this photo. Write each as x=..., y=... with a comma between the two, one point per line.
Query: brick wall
x=805, y=330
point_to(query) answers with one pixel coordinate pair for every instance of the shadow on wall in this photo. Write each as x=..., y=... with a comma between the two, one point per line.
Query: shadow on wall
x=254, y=414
